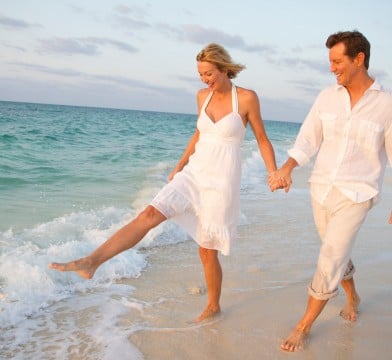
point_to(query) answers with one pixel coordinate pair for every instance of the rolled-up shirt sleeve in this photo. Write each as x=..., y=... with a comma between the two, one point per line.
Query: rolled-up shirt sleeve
x=300, y=157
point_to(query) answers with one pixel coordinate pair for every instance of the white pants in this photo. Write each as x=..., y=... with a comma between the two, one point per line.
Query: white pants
x=338, y=221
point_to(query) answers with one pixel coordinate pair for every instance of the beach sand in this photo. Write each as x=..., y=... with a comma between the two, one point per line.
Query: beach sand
x=264, y=294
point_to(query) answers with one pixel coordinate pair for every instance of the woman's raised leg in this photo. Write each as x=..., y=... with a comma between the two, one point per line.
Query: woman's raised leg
x=124, y=239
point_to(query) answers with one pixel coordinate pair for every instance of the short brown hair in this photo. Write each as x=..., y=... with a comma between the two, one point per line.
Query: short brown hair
x=218, y=55
x=354, y=41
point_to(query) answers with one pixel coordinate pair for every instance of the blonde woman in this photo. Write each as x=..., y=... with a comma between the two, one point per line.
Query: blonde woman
x=203, y=191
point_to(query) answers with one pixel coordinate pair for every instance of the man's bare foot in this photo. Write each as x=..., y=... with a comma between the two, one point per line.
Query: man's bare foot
x=83, y=267
x=350, y=310
x=296, y=340
x=208, y=313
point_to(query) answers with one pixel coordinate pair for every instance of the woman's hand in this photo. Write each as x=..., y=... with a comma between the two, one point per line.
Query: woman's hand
x=279, y=179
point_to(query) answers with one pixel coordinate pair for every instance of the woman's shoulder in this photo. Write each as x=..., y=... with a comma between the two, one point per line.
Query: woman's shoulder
x=245, y=94
x=203, y=92
x=202, y=95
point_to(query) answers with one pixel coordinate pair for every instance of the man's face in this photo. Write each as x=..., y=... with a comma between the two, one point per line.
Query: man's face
x=344, y=68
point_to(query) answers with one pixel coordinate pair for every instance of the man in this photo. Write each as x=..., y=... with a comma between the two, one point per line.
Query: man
x=350, y=128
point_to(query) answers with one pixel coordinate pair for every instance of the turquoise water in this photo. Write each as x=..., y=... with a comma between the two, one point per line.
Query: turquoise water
x=60, y=159
x=57, y=159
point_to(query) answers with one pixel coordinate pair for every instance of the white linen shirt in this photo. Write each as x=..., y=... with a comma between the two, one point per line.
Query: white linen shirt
x=352, y=145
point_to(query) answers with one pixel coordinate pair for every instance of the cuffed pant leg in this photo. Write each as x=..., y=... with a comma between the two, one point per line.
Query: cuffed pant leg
x=338, y=222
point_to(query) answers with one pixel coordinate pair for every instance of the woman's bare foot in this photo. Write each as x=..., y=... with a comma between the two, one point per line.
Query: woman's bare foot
x=208, y=313
x=83, y=267
x=296, y=340
x=350, y=310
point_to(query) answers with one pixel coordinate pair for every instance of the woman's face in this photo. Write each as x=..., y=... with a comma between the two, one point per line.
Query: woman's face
x=211, y=75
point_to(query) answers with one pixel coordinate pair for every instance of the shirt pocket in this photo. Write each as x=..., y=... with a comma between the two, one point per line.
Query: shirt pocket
x=370, y=135
x=328, y=121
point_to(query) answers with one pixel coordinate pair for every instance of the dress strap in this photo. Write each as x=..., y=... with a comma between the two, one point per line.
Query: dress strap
x=234, y=99
x=206, y=101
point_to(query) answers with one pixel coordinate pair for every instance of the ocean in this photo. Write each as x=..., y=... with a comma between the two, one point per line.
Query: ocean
x=69, y=178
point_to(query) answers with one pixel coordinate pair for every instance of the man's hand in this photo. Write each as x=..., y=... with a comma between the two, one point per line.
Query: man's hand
x=279, y=180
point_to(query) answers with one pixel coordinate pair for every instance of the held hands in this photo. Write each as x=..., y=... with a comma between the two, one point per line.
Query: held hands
x=279, y=179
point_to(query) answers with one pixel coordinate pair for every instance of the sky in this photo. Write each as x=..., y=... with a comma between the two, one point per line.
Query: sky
x=141, y=54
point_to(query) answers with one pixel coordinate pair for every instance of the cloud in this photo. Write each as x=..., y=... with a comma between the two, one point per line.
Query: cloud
x=317, y=65
x=298, y=62
x=16, y=24
x=85, y=46
x=120, y=81
x=76, y=9
x=68, y=46
x=310, y=87
x=192, y=80
x=129, y=17
x=130, y=23
x=18, y=48
x=201, y=35
x=91, y=93
x=46, y=69
x=136, y=10
x=123, y=81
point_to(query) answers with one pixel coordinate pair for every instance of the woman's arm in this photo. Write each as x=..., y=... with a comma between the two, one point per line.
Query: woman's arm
x=190, y=149
x=250, y=103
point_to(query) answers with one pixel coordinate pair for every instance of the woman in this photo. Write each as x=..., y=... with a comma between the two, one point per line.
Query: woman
x=203, y=190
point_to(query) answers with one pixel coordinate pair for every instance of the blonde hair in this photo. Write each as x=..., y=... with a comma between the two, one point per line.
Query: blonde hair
x=217, y=55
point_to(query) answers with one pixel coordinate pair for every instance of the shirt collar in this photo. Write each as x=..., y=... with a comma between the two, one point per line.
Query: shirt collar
x=375, y=86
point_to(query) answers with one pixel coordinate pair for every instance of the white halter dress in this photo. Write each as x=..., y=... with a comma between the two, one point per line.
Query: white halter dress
x=204, y=197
